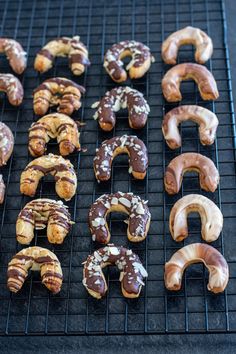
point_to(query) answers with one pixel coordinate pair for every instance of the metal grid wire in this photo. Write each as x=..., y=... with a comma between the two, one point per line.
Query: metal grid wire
x=100, y=24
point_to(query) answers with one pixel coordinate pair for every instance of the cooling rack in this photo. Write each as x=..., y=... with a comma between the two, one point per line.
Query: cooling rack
x=33, y=311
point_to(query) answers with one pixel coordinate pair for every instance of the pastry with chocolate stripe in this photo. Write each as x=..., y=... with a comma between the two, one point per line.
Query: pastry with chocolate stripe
x=51, y=126
x=62, y=47
x=128, y=203
x=117, y=98
x=137, y=67
x=14, y=53
x=62, y=170
x=132, y=272
x=41, y=213
x=60, y=92
x=37, y=259
x=129, y=144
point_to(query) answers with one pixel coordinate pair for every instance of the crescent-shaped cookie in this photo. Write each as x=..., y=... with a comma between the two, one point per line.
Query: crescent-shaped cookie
x=14, y=53
x=13, y=88
x=6, y=143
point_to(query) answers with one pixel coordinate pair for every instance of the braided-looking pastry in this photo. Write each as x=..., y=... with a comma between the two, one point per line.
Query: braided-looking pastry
x=35, y=258
x=41, y=213
x=199, y=73
x=2, y=189
x=211, y=217
x=130, y=144
x=131, y=276
x=128, y=203
x=15, y=54
x=51, y=126
x=206, y=119
x=190, y=161
x=57, y=91
x=62, y=170
x=195, y=253
x=61, y=47
x=122, y=97
x=6, y=143
x=13, y=88
x=187, y=35
x=137, y=67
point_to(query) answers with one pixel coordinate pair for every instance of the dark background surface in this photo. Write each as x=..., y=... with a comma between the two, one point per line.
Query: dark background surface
x=220, y=343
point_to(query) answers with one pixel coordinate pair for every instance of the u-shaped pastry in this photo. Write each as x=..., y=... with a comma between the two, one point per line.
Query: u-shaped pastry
x=128, y=203
x=41, y=213
x=39, y=259
x=211, y=217
x=6, y=143
x=137, y=67
x=199, y=73
x=190, y=161
x=131, y=276
x=57, y=91
x=187, y=35
x=122, y=97
x=54, y=125
x=61, y=47
x=130, y=144
x=206, y=119
x=195, y=253
x=2, y=189
x=14, y=53
x=13, y=88
x=62, y=170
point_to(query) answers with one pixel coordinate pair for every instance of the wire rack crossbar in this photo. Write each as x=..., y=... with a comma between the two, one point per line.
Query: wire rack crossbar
x=100, y=23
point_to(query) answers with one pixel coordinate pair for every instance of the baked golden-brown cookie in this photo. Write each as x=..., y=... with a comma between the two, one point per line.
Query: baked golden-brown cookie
x=61, y=47
x=39, y=259
x=62, y=170
x=14, y=53
x=51, y=126
x=41, y=213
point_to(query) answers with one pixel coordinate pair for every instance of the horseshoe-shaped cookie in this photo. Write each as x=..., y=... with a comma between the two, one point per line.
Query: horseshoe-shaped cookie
x=57, y=91
x=54, y=125
x=122, y=97
x=14, y=53
x=61, y=47
x=195, y=253
x=39, y=259
x=211, y=217
x=134, y=147
x=41, y=213
x=62, y=170
x=190, y=161
x=206, y=119
x=137, y=67
x=2, y=189
x=199, y=73
x=128, y=203
x=12, y=87
x=6, y=143
x=131, y=276
x=187, y=35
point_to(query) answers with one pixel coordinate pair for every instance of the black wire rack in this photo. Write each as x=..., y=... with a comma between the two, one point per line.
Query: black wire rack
x=34, y=311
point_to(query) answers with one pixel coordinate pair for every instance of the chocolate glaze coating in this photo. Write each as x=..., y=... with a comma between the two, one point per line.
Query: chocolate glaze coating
x=141, y=57
x=13, y=88
x=130, y=144
x=199, y=73
x=190, y=161
x=134, y=206
x=132, y=271
x=122, y=97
